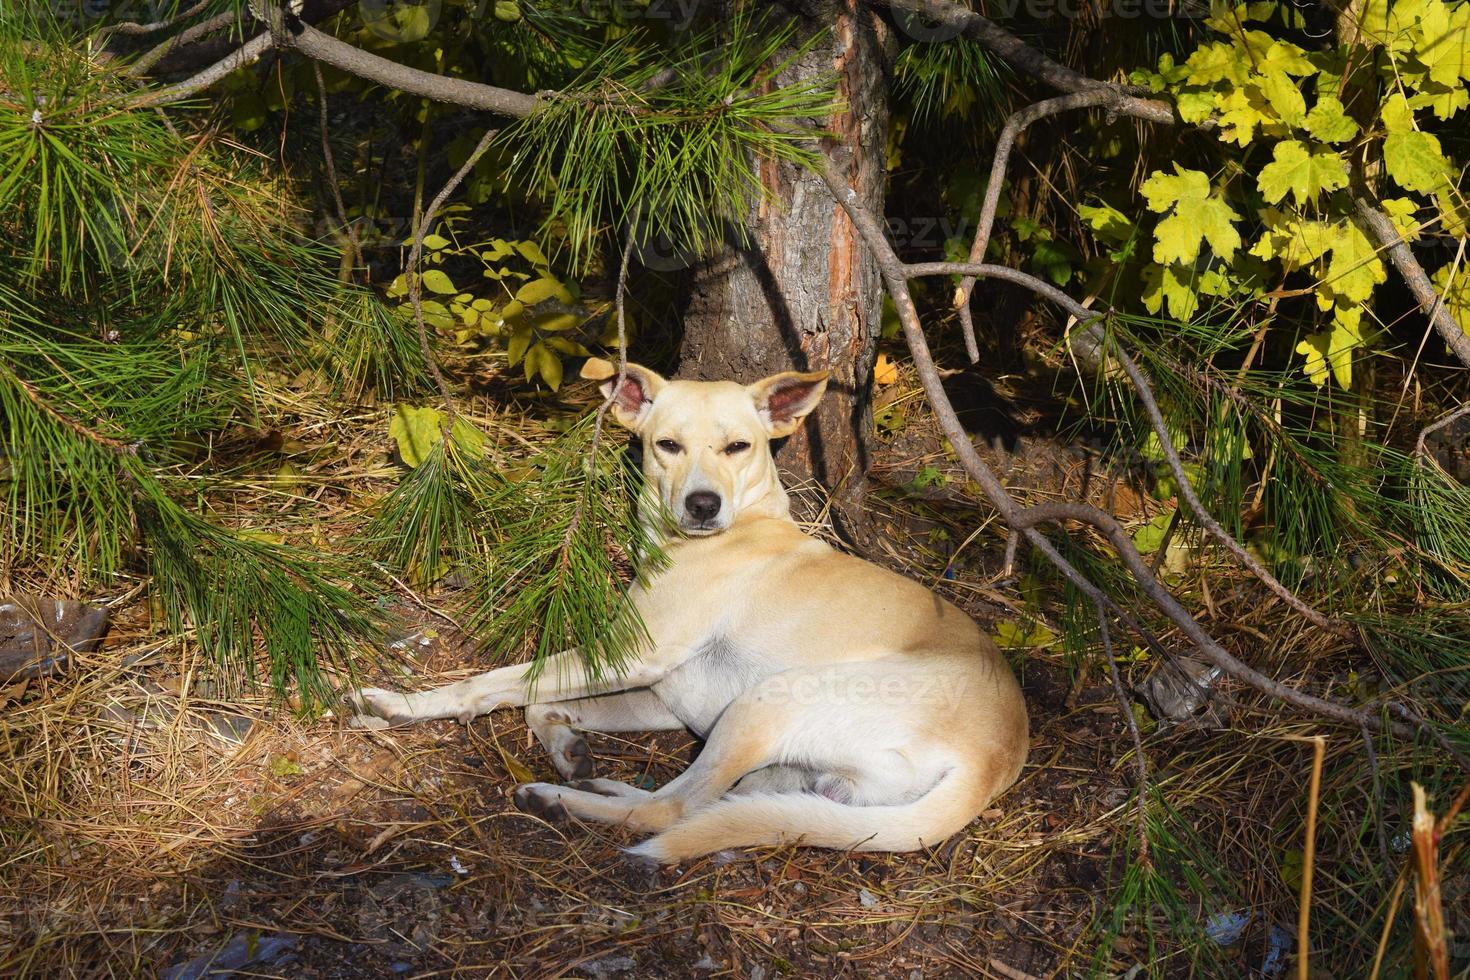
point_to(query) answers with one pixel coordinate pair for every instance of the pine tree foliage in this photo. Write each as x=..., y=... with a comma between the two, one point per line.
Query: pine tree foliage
x=669, y=135
x=152, y=278
x=159, y=275
x=545, y=546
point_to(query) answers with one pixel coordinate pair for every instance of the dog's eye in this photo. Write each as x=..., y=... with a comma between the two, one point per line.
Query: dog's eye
x=736, y=447
x=669, y=446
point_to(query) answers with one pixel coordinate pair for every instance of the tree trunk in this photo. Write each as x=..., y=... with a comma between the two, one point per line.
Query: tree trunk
x=801, y=292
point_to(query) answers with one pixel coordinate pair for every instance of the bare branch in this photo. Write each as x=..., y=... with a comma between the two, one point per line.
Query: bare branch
x=1125, y=705
x=134, y=29
x=415, y=285
x=440, y=88
x=1416, y=279
x=895, y=276
x=189, y=87
x=1420, y=449
x=157, y=53
x=1024, y=58
x=354, y=254
x=1088, y=324
x=1013, y=128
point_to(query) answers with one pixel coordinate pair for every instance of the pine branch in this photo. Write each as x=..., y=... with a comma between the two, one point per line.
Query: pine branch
x=244, y=55
x=110, y=443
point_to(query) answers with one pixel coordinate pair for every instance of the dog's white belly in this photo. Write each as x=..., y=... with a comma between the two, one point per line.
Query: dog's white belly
x=700, y=688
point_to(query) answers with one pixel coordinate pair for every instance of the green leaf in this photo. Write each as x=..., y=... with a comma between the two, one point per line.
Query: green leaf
x=1304, y=171
x=435, y=242
x=541, y=360
x=1218, y=62
x=1161, y=190
x=1329, y=123
x=416, y=431
x=1195, y=105
x=436, y=281
x=1396, y=115
x=1172, y=284
x=1195, y=215
x=1107, y=222
x=1287, y=59
x=520, y=339
x=568, y=346
x=1403, y=213
x=1241, y=112
x=1285, y=95
x=539, y=290
x=1455, y=295
x=247, y=111
x=1444, y=44
x=532, y=253
x=468, y=438
x=1415, y=161
x=1330, y=349
x=1355, y=267
x=1148, y=538
x=1010, y=634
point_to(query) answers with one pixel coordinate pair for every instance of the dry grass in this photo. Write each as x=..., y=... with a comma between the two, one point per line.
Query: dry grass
x=138, y=832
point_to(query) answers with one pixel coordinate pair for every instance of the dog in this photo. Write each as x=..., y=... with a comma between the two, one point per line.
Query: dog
x=843, y=706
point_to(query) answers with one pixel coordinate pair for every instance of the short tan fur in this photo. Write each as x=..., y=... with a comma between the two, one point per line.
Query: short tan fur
x=843, y=705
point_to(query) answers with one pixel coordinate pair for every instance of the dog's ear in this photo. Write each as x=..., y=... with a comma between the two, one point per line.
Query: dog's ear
x=634, y=396
x=784, y=399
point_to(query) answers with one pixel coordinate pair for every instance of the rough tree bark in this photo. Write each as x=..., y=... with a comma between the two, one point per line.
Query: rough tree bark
x=803, y=292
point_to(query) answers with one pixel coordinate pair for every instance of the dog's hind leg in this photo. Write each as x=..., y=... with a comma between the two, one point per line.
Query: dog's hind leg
x=558, y=725
x=743, y=740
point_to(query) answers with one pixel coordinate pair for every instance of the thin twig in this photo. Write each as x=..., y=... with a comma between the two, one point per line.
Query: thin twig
x=1088, y=323
x=145, y=62
x=135, y=29
x=1013, y=128
x=1126, y=707
x=622, y=375
x=1376, y=801
x=354, y=254
x=192, y=86
x=415, y=284
x=1419, y=443
x=1309, y=852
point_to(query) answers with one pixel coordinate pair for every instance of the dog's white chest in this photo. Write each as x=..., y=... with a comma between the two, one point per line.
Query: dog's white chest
x=700, y=688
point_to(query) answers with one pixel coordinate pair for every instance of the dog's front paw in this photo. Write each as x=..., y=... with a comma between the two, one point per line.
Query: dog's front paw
x=374, y=707
x=540, y=800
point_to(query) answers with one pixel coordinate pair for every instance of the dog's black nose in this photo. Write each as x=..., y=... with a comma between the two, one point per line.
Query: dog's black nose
x=702, y=505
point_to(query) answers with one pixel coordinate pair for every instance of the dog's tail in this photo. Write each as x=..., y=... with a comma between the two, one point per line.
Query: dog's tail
x=816, y=821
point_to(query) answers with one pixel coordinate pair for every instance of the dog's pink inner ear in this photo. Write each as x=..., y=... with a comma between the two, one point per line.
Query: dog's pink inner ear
x=791, y=398
x=630, y=397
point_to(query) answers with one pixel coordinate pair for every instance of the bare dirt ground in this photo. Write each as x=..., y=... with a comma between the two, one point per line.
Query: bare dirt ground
x=150, y=825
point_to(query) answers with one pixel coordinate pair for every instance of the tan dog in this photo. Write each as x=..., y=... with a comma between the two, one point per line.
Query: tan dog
x=843, y=705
